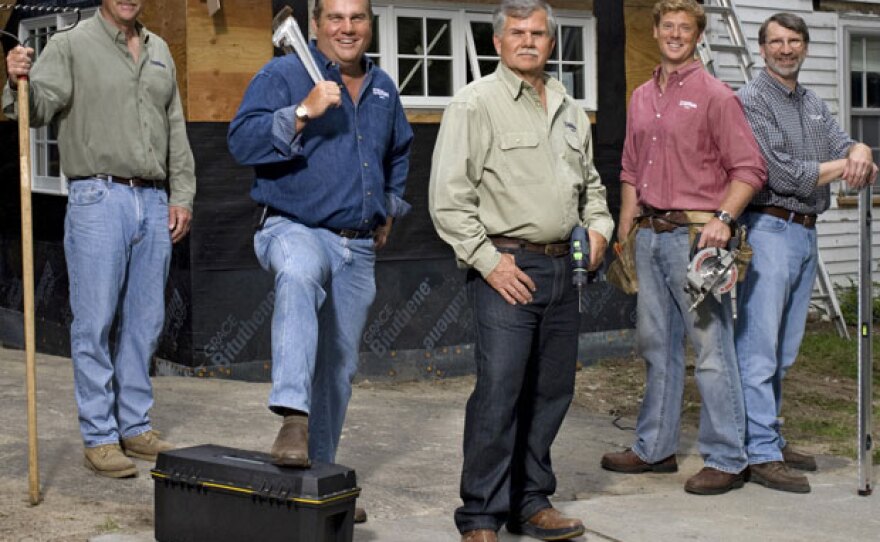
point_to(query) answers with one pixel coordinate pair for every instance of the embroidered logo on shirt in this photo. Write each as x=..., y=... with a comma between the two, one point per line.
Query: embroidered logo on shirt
x=816, y=117
x=381, y=93
x=157, y=63
x=571, y=126
x=687, y=105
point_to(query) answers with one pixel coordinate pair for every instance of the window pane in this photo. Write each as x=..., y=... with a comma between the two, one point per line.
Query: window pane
x=439, y=78
x=873, y=91
x=856, y=86
x=573, y=79
x=572, y=44
x=871, y=131
x=483, y=39
x=54, y=161
x=488, y=66
x=855, y=56
x=552, y=69
x=411, y=73
x=409, y=36
x=439, y=37
x=374, y=44
x=872, y=55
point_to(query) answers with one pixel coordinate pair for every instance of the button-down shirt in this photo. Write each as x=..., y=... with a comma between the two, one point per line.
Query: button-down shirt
x=115, y=116
x=346, y=169
x=796, y=133
x=503, y=165
x=686, y=144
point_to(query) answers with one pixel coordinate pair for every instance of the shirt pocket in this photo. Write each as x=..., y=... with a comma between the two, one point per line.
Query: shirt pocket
x=575, y=157
x=522, y=158
x=158, y=83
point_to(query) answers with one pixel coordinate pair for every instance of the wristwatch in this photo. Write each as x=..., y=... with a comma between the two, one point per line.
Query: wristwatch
x=301, y=113
x=724, y=216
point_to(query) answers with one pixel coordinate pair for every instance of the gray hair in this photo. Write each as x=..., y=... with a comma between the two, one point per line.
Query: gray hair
x=522, y=9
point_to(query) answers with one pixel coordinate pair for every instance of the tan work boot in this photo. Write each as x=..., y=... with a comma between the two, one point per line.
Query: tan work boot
x=291, y=447
x=146, y=446
x=108, y=460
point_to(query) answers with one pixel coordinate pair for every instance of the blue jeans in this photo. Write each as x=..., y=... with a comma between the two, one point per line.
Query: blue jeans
x=663, y=321
x=773, y=303
x=324, y=286
x=118, y=248
x=525, y=363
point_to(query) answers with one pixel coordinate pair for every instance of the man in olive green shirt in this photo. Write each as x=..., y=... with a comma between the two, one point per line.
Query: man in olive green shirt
x=110, y=86
x=512, y=175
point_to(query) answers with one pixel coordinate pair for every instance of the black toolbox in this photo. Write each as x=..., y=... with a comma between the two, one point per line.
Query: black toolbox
x=218, y=494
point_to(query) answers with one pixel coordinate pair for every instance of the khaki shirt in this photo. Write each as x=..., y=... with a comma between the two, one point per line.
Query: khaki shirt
x=115, y=116
x=504, y=166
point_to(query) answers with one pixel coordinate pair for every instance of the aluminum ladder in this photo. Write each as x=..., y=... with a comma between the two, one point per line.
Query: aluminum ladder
x=731, y=41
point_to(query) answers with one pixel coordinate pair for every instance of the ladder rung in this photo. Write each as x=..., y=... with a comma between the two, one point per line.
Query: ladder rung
x=725, y=48
x=718, y=10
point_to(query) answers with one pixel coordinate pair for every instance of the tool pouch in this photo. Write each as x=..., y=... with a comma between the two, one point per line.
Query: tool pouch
x=622, y=271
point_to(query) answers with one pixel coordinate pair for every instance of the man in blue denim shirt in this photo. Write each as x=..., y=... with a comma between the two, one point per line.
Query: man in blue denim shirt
x=331, y=161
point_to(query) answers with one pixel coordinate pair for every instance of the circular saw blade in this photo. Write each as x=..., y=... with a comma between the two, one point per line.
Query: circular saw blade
x=708, y=263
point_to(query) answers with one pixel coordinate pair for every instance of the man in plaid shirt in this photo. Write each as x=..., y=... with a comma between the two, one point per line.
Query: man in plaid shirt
x=806, y=150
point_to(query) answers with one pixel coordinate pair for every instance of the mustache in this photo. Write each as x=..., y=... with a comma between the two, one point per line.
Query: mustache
x=528, y=51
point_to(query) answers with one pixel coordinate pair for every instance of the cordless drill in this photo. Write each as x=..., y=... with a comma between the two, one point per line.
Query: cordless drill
x=580, y=261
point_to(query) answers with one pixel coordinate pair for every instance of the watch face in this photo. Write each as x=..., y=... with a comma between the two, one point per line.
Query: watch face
x=301, y=113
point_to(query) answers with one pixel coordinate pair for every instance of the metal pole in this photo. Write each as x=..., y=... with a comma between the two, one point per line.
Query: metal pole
x=866, y=291
x=27, y=279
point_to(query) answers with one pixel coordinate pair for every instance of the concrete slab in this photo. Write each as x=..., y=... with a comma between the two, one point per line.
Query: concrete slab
x=404, y=441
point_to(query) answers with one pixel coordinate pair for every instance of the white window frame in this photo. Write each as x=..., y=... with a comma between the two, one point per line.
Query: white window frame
x=462, y=40
x=846, y=31
x=41, y=181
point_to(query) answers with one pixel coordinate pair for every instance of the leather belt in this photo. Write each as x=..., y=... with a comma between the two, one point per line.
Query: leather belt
x=550, y=249
x=134, y=182
x=341, y=232
x=662, y=221
x=807, y=221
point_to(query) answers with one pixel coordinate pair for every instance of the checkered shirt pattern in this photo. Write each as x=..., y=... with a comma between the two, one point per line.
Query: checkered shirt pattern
x=796, y=132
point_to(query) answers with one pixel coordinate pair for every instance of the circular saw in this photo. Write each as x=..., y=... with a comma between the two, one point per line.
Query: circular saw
x=711, y=271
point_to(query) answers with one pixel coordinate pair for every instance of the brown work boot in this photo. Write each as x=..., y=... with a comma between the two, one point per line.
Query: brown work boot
x=711, y=481
x=778, y=475
x=548, y=524
x=291, y=447
x=108, y=460
x=360, y=515
x=627, y=461
x=146, y=446
x=480, y=535
x=798, y=460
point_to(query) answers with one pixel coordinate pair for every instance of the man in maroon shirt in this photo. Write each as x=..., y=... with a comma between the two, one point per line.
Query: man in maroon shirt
x=690, y=162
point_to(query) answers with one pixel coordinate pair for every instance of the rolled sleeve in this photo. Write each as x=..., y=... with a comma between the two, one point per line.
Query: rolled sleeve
x=740, y=153
x=286, y=139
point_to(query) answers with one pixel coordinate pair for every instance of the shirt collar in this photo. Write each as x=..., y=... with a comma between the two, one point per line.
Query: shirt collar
x=772, y=82
x=118, y=35
x=681, y=74
x=515, y=85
